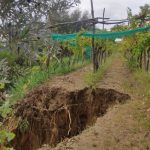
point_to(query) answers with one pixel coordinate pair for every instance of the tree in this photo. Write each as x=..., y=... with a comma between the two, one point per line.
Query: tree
x=23, y=18
x=76, y=15
x=119, y=28
x=140, y=19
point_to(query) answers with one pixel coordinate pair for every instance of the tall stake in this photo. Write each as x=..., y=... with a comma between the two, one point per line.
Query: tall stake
x=103, y=18
x=93, y=40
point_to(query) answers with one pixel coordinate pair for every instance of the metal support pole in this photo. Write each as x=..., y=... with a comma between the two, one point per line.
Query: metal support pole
x=93, y=40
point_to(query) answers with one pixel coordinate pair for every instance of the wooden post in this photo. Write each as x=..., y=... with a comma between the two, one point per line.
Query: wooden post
x=144, y=58
x=103, y=18
x=148, y=58
x=10, y=35
x=93, y=39
x=140, y=60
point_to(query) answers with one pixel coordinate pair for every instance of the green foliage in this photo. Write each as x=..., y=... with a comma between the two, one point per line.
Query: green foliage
x=77, y=45
x=26, y=83
x=132, y=63
x=4, y=73
x=9, y=56
x=139, y=19
x=5, y=109
x=5, y=136
x=10, y=73
x=119, y=28
x=134, y=46
x=17, y=72
x=9, y=70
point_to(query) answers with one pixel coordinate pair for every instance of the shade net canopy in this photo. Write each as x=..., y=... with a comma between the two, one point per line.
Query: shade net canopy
x=100, y=35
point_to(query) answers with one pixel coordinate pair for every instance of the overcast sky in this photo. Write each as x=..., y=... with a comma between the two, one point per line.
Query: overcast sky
x=115, y=9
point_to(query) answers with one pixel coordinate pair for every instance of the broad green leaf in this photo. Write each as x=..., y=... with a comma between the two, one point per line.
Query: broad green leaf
x=10, y=136
x=2, y=86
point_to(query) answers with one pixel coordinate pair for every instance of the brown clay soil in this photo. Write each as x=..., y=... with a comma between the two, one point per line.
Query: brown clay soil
x=65, y=109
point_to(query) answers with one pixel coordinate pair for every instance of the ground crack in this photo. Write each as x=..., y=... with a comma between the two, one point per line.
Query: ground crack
x=54, y=114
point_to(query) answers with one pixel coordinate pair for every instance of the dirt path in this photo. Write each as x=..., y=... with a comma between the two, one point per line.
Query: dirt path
x=116, y=75
x=71, y=81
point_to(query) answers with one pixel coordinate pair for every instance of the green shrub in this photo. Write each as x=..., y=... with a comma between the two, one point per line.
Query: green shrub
x=4, y=73
x=5, y=137
x=16, y=72
x=9, y=56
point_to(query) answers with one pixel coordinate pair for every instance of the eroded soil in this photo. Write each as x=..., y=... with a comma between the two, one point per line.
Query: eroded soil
x=54, y=114
x=64, y=106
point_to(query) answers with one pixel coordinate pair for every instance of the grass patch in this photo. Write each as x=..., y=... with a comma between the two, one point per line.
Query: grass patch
x=92, y=78
x=142, y=79
x=142, y=114
x=139, y=83
x=134, y=117
x=139, y=111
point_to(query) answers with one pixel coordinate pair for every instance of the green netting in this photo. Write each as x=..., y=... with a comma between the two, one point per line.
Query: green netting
x=73, y=44
x=63, y=37
x=88, y=52
x=102, y=35
x=114, y=35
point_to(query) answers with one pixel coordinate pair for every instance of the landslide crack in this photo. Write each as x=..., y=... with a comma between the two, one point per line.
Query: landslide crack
x=54, y=114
